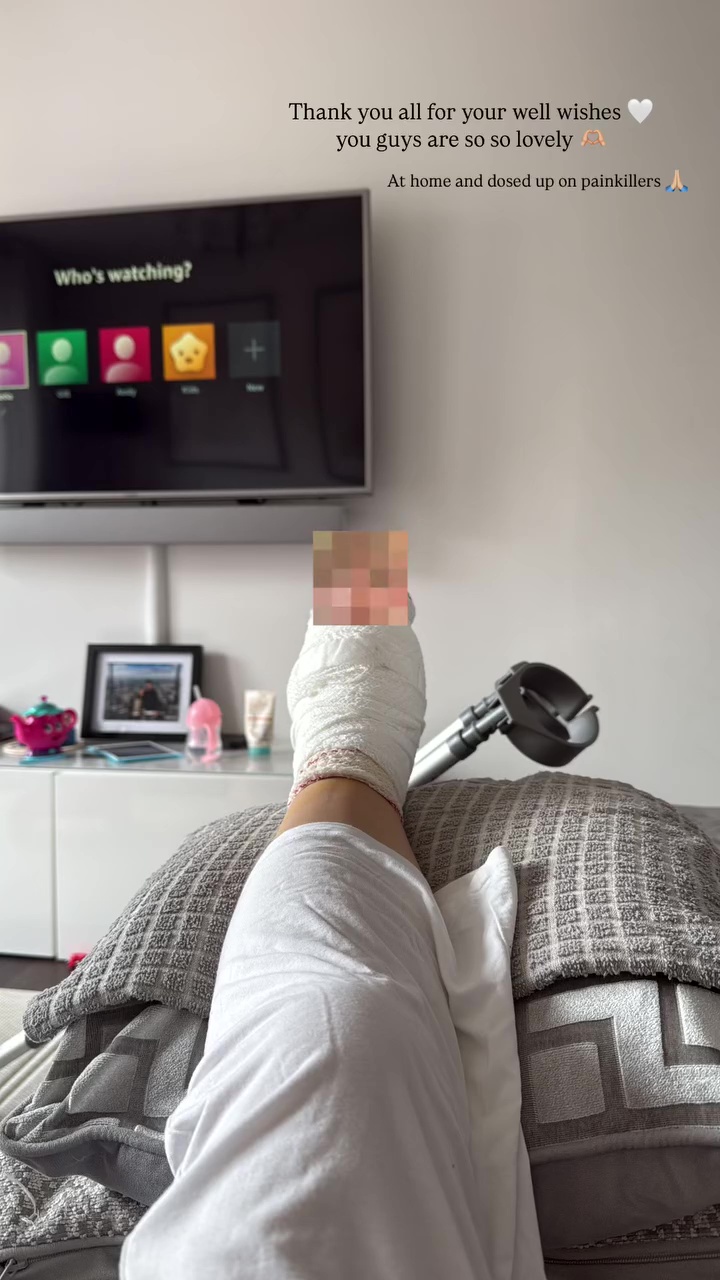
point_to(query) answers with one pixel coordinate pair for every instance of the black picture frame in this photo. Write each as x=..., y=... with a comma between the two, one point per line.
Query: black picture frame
x=151, y=654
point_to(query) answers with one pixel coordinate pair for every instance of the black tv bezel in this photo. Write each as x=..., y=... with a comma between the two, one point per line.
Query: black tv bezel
x=178, y=497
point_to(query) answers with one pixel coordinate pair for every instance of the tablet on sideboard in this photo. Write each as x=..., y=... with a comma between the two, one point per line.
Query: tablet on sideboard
x=133, y=752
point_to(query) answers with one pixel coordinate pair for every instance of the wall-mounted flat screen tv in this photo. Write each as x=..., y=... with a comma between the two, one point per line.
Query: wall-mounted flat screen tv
x=198, y=352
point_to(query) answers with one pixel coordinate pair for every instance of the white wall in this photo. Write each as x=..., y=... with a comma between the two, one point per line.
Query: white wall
x=546, y=410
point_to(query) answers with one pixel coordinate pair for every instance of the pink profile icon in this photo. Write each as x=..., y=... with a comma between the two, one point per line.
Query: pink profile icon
x=13, y=360
x=125, y=355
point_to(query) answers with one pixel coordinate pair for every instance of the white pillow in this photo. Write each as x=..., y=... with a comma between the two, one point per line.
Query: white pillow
x=479, y=911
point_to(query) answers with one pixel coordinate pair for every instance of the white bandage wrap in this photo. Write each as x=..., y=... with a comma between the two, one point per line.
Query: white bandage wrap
x=356, y=696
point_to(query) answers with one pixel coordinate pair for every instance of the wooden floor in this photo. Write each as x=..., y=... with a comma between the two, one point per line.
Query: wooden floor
x=25, y=973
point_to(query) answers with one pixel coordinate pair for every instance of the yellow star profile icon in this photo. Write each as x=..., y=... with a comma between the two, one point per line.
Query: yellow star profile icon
x=188, y=352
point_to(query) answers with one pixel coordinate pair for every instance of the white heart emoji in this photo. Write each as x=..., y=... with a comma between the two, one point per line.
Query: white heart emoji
x=639, y=110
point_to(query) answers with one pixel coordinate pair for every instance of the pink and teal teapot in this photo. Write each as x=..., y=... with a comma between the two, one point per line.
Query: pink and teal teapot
x=45, y=728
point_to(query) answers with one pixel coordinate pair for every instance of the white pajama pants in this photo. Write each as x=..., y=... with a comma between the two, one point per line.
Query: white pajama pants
x=343, y=1123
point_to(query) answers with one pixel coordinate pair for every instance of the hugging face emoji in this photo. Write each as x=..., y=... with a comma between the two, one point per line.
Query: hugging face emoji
x=189, y=352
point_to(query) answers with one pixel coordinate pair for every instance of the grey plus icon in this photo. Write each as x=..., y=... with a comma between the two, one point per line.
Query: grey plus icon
x=254, y=349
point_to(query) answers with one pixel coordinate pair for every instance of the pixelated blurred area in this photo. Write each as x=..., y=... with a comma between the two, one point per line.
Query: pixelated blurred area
x=360, y=579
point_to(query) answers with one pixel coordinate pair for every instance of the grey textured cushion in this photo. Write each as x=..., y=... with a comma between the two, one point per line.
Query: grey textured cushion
x=610, y=880
x=580, y=846
x=621, y=1104
x=690, y=1257
x=102, y=1108
x=68, y=1228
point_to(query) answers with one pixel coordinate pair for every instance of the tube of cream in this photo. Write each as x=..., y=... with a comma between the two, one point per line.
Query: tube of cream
x=259, y=721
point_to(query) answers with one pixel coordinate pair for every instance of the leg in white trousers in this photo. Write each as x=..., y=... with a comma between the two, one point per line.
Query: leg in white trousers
x=325, y=1134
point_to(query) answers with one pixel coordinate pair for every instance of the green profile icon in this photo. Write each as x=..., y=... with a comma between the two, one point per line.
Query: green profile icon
x=62, y=358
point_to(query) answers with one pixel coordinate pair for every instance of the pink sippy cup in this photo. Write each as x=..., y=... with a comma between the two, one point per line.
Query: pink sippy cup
x=204, y=721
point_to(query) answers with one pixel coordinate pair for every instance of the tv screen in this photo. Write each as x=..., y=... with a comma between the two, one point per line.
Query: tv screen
x=197, y=352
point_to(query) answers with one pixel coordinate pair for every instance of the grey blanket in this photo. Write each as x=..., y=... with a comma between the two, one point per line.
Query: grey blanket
x=610, y=880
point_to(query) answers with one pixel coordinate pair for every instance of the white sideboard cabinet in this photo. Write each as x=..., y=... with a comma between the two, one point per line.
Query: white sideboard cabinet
x=27, y=869
x=78, y=836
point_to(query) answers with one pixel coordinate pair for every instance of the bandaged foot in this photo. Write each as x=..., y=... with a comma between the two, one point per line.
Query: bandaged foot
x=356, y=696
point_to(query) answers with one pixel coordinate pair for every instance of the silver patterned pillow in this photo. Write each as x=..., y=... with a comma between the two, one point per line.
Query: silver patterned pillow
x=621, y=1104
x=102, y=1108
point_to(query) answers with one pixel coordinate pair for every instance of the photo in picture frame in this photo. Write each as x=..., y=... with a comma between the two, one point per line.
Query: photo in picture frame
x=139, y=691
